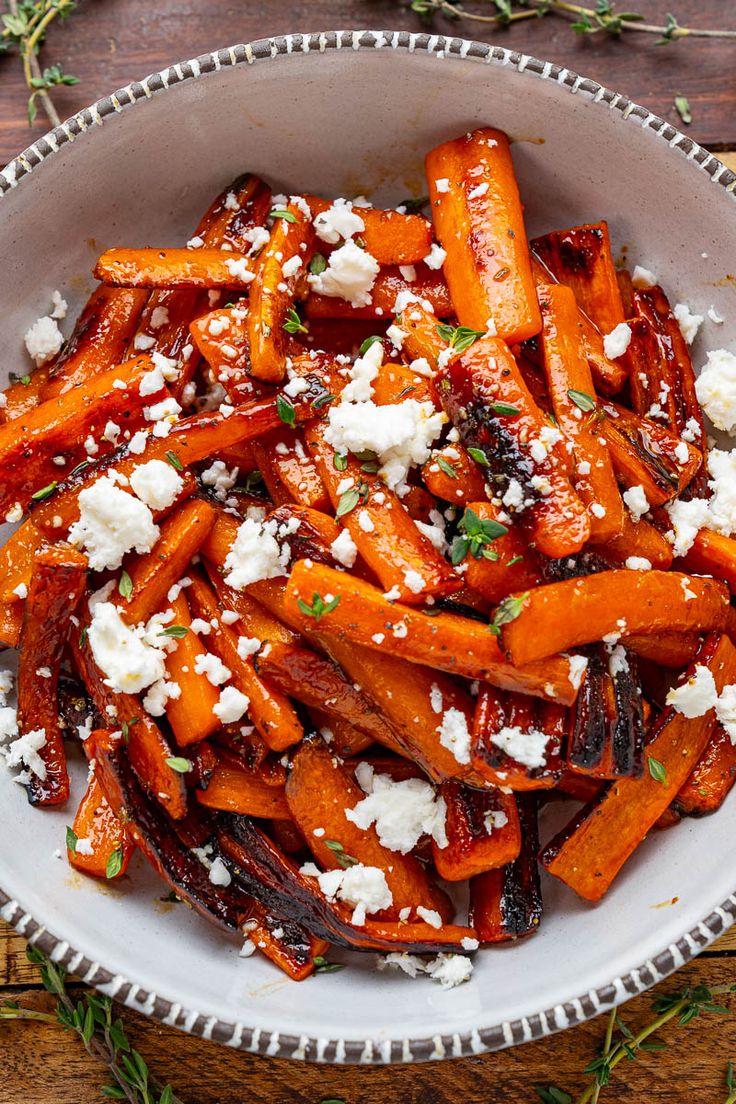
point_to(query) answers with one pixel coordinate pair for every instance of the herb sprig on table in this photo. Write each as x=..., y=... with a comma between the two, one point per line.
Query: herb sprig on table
x=25, y=25
x=603, y=17
x=92, y=1018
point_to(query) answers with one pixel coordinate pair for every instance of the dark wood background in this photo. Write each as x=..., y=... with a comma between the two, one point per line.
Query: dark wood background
x=108, y=43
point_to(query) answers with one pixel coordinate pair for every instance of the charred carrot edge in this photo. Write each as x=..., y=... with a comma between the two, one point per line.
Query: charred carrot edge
x=391, y=237
x=488, y=401
x=287, y=944
x=581, y=259
x=273, y=294
x=269, y=710
x=455, y=644
x=57, y=583
x=516, y=567
x=319, y=790
x=479, y=220
x=496, y=710
x=191, y=715
x=606, y=738
x=237, y=790
x=174, y=268
x=590, y=852
x=451, y=474
x=568, y=377
x=506, y=904
x=96, y=823
x=385, y=535
x=245, y=203
x=152, y=575
x=666, y=649
x=559, y=616
x=99, y=340
x=645, y=453
x=609, y=375
x=639, y=539
x=713, y=554
x=147, y=747
x=288, y=471
x=711, y=779
x=310, y=678
x=16, y=560
x=429, y=286
x=474, y=843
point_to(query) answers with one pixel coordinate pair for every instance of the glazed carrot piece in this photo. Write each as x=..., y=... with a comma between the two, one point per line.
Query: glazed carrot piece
x=316, y=682
x=288, y=470
x=319, y=790
x=639, y=539
x=287, y=944
x=60, y=427
x=713, y=554
x=97, y=825
x=451, y=643
x=609, y=375
x=57, y=584
x=174, y=268
x=238, y=790
x=234, y=212
x=396, y=382
x=269, y=710
x=559, y=616
x=645, y=453
x=711, y=779
x=479, y=220
x=254, y=620
x=581, y=259
x=99, y=340
x=506, y=904
x=499, y=714
x=391, y=237
x=221, y=336
x=482, y=829
x=152, y=575
x=23, y=394
x=570, y=384
x=390, y=287
x=490, y=404
x=11, y=620
x=589, y=853
x=606, y=738
x=191, y=715
x=421, y=338
x=16, y=560
x=451, y=474
x=282, y=268
x=387, y=538
x=345, y=740
x=147, y=747
x=515, y=567
x=666, y=649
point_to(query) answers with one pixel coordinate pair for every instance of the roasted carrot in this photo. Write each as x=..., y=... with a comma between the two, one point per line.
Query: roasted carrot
x=589, y=853
x=174, y=268
x=606, y=737
x=152, y=575
x=391, y=237
x=420, y=332
x=16, y=561
x=451, y=474
x=506, y=904
x=645, y=453
x=504, y=725
x=490, y=404
x=451, y=643
x=390, y=289
x=572, y=393
x=237, y=790
x=191, y=715
x=57, y=583
x=221, y=336
x=482, y=832
x=289, y=472
x=559, y=616
x=319, y=790
x=711, y=779
x=512, y=565
x=479, y=221
x=713, y=554
x=106, y=846
x=581, y=259
x=287, y=944
x=666, y=649
x=396, y=382
x=642, y=540
x=11, y=620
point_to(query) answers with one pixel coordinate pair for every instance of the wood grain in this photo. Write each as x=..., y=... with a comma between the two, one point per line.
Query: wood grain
x=108, y=43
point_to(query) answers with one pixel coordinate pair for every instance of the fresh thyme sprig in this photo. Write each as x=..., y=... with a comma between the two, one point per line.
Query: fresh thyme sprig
x=584, y=19
x=621, y=1042
x=25, y=25
x=103, y=1035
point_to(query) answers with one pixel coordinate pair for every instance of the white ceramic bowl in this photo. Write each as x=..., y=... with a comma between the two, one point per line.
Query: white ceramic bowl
x=341, y=113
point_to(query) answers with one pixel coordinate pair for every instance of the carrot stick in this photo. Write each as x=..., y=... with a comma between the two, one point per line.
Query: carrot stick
x=288, y=470
x=345, y=740
x=57, y=583
x=666, y=649
x=396, y=382
x=191, y=715
x=645, y=453
x=420, y=335
x=319, y=789
x=451, y=474
x=570, y=384
x=606, y=737
x=152, y=575
x=174, y=268
x=103, y=834
x=560, y=616
x=711, y=779
x=589, y=853
x=479, y=221
x=487, y=399
x=713, y=554
x=238, y=790
x=581, y=259
x=16, y=560
x=390, y=287
x=515, y=567
x=499, y=714
x=451, y=643
x=642, y=540
x=391, y=237
x=506, y=904
x=483, y=832
x=11, y=620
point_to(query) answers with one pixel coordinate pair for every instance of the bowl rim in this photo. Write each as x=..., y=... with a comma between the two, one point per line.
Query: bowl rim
x=341, y=1050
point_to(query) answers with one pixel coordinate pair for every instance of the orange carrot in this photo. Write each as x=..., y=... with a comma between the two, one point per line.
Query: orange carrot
x=645, y=453
x=237, y=790
x=451, y=474
x=713, y=554
x=103, y=834
x=514, y=567
x=581, y=259
x=482, y=832
x=498, y=714
x=191, y=715
x=390, y=287
x=391, y=237
x=174, y=268
x=288, y=470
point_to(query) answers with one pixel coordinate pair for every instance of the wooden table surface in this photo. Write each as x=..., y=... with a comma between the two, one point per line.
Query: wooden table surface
x=108, y=43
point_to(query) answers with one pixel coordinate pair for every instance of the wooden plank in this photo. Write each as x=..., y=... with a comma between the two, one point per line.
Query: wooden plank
x=107, y=44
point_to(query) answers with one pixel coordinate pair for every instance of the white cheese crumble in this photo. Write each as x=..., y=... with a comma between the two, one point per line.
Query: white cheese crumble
x=255, y=554
x=364, y=887
x=726, y=711
x=238, y=269
x=43, y=340
x=454, y=734
x=688, y=322
x=436, y=256
x=231, y=706
x=210, y=665
x=402, y=812
x=338, y=221
x=636, y=501
x=617, y=341
x=344, y=549
x=401, y=434
x=219, y=874
x=126, y=655
x=23, y=752
x=717, y=513
x=448, y=970
x=156, y=483
x=716, y=389
x=638, y=563
x=643, y=277
x=527, y=747
x=350, y=274
x=111, y=523
x=696, y=696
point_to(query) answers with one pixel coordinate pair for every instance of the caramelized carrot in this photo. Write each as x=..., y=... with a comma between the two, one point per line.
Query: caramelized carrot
x=390, y=287
x=666, y=649
x=11, y=620
x=191, y=715
x=581, y=259
x=391, y=237
x=420, y=334
x=711, y=779
x=289, y=472
x=506, y=904
x=174, y=268
x=16, y=560
x=479, y=221
x=221, y=336
x=645, y=453
x=514, y=567
x=451, y=474
x=640, y=539
x=482, y=830
x=713, y=554
x=606, y=738
x=498, y=715
x=560, y=616
x=237, y=790
x=396, y=382
x=103, y=834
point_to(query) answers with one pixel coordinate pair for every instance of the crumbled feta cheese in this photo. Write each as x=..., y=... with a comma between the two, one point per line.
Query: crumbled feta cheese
x=210, y=665
x=159, y=693
x=715, y=316
x=350, y=274
x=695, y=696
x=23, y=752
x=291, y=267
x=129, y=661
x=643, y=277
x=59, y=305
x=717, y=513
x=716, y=389
x=365, y=521
x=219, y=873
x=402, y=812
x=156, y=483
x=726, y=711
x=83, y=846
x=414, y=582
x=636, y=501
x=43, y=340
x=362, y=374
x=111, y=523
x=638, y=563
x=231, y=706
x=248, y=646
x=21, y=591
x=364, y=887
x=688, y=322
x=344, y=549
x=578, y=666
x=454, y=734
x=617, y=341
x=527, y=747
x=238, y=269
x=338, y=221
x=429, y=916
x=221, y=478
x=436, y=256
x=442, y=185
x=401, y=434
x=255, y=554
x=151, y=383
x=449, y=970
